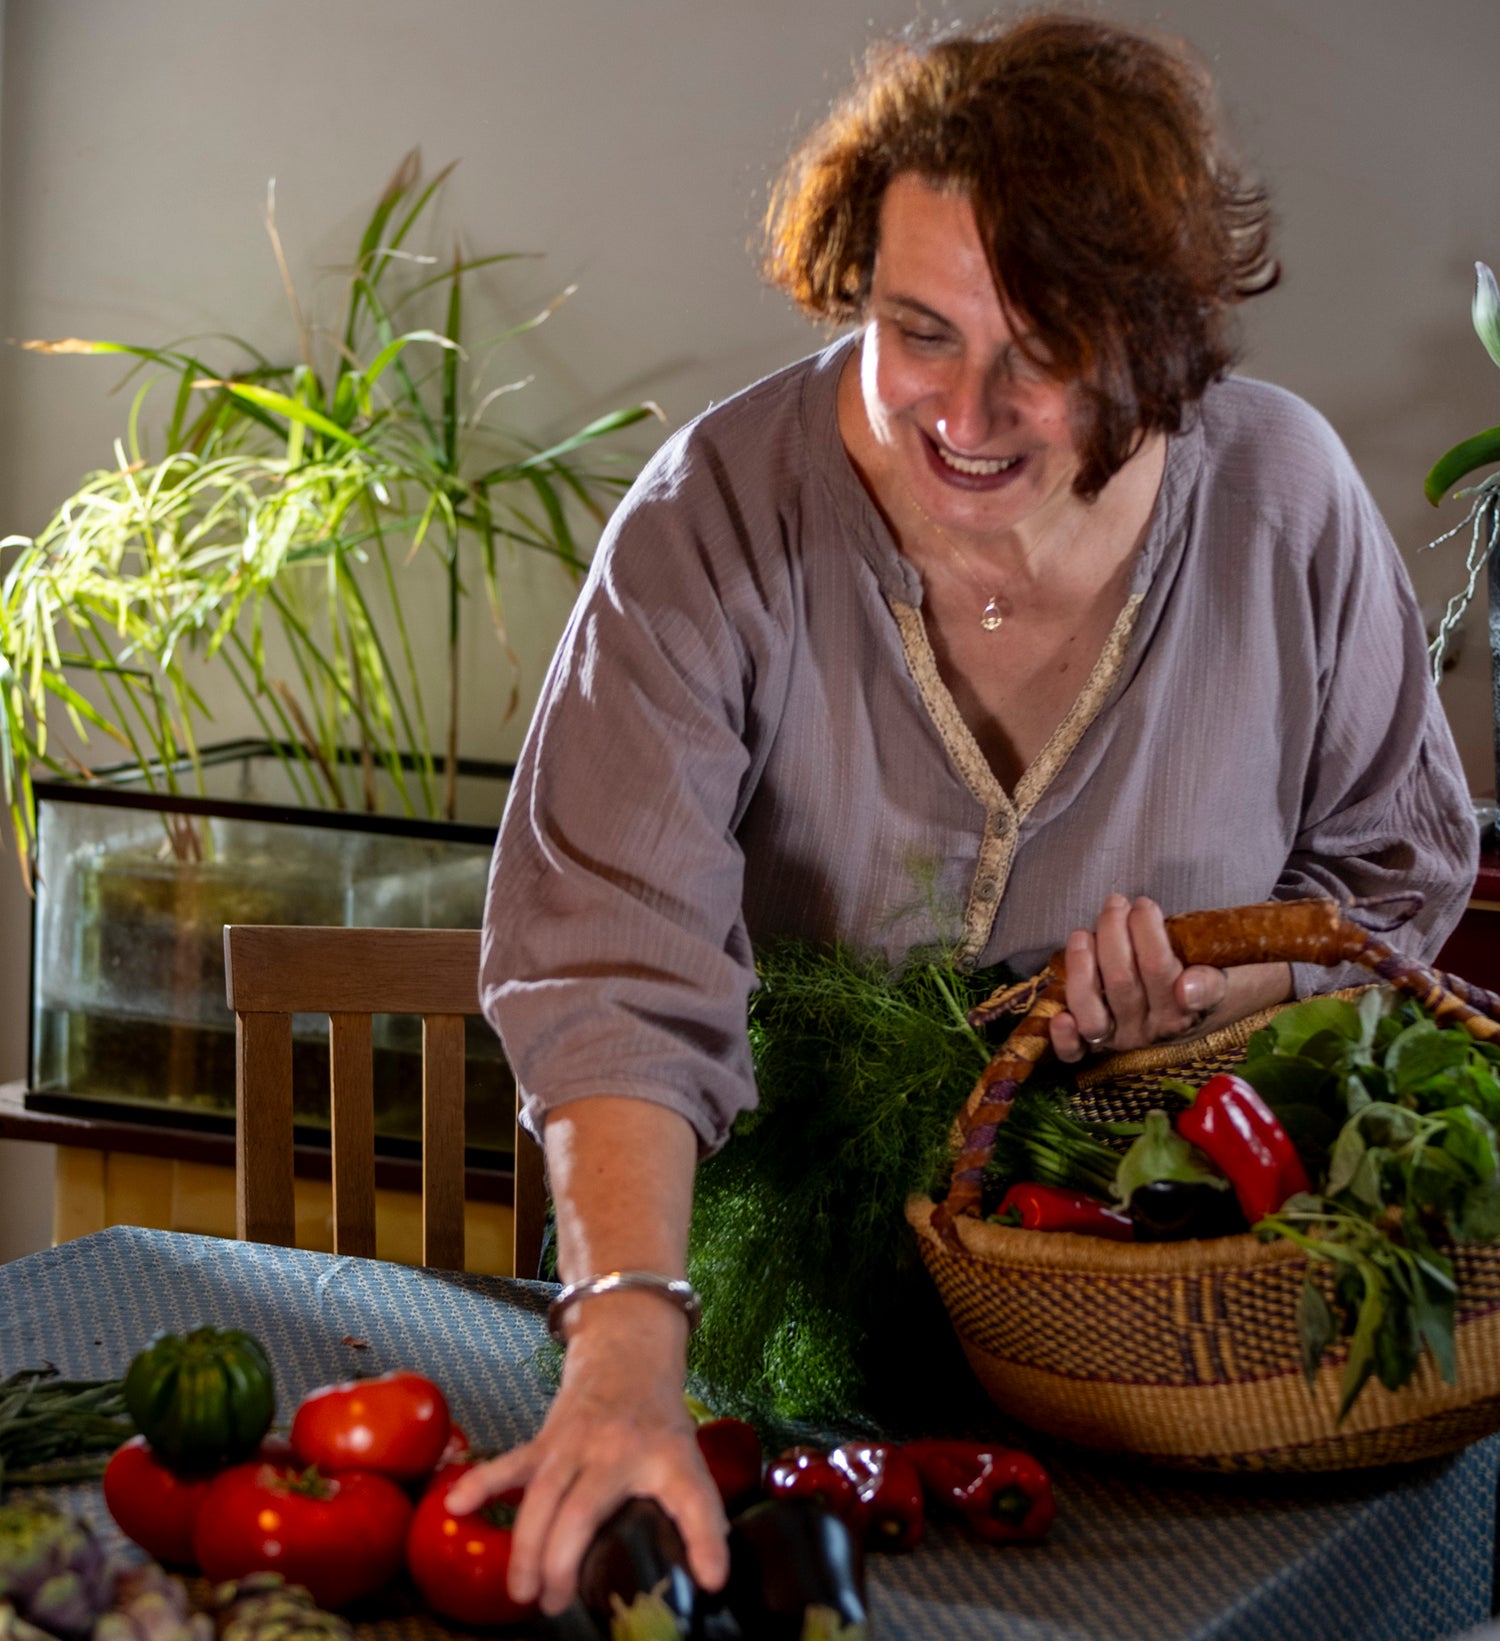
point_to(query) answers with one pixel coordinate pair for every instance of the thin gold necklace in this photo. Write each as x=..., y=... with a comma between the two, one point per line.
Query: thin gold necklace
x=998, y=608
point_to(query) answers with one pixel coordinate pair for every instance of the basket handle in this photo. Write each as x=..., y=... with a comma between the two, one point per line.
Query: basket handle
x=1318, y=931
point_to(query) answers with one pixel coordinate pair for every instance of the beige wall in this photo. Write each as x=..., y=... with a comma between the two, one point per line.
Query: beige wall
x=631, y=141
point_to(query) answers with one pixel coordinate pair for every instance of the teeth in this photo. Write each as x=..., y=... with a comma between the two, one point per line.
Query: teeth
x=975, y=465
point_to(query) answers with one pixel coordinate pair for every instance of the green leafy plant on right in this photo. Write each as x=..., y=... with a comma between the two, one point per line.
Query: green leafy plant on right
x=1466, y=457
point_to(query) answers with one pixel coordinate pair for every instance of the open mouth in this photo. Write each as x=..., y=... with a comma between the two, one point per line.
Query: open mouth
x=971, y=472
x=979, y=466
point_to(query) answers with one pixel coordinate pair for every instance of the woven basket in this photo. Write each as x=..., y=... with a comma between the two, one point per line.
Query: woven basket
x=1187, y=1353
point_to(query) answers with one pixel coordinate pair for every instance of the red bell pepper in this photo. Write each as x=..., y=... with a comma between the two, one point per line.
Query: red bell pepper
x=809, y=1472
x=888, y=1490
x=1051, y=1208
x=731, y=1450
x=1230, y=1123
x=1005, y=1496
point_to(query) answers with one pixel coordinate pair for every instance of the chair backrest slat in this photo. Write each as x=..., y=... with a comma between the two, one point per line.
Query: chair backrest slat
x=531, y=1205
x=273, y=972
x=443, y=1141
x=263, y=1202
x=352, y=1133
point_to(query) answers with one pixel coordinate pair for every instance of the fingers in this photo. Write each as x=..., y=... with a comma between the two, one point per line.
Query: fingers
x=1087, y=1023
x=485, y=1480
x=573, y=1493
x=553, y=1529
x=594, y=1496
x=1145, y=969
x=1126, y=987
x=587, y=1460
x=700, y=1519
x=1201, y=989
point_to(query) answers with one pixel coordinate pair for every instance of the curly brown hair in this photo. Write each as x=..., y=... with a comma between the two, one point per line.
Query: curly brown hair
x=1112, y=218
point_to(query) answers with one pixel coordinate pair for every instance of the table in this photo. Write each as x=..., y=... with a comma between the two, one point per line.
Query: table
x=1135, y=1556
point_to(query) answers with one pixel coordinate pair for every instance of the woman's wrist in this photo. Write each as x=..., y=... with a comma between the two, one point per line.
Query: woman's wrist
x=675, y=1291
x=629, y=1322
x=1248, y=989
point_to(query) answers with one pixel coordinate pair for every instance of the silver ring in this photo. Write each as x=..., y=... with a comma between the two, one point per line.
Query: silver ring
x=1103, y=1037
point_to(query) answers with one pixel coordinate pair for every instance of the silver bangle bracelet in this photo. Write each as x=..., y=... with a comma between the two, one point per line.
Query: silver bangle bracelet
x=673, y=1289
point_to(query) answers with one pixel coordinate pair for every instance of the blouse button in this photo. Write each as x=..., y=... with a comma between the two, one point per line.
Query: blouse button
x=987, y=888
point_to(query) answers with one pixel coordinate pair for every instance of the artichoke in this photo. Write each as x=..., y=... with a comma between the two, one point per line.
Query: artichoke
x=264, y=1607
x=151, y=1605
x=53, y=1571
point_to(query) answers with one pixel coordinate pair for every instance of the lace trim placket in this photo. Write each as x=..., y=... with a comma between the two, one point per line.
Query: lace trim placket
x=1003, y=815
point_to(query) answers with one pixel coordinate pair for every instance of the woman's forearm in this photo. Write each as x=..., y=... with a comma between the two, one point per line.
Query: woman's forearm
x=621, y=1176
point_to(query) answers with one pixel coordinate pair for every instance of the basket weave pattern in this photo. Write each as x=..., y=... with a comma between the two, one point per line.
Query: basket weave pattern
x=1188, y=1353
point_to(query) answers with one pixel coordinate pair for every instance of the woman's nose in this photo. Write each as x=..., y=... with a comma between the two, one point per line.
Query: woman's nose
x=975, y=407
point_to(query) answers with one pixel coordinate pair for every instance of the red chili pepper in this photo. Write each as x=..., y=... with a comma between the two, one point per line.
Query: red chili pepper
x=889, y=1491
x=1050, y=1208
x=1005, y=1496
x=731, y=1450
x=808, y=1472
x=1230, y=1123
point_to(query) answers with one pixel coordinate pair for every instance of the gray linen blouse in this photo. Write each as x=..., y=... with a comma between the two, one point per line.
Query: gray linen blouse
x=743, y=735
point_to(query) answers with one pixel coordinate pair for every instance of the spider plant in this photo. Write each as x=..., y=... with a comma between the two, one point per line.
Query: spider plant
x=272, y=540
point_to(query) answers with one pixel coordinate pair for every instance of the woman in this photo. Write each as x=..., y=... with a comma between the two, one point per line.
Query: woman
x=1004, y=616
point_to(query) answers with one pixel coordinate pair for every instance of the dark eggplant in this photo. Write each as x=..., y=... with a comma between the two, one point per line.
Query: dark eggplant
x=634, y=1579
x=1168, y=1210
x=796, y=1573
x=572, y=1624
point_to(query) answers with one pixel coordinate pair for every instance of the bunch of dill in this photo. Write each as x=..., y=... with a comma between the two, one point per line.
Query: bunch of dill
x=815, y=1303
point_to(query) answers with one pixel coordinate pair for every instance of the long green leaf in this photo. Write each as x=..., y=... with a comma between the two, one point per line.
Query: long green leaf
x=453, y=329
x=612, y=423
x=283, y=405
x=398, y=344
x=462, y=267
x=1461, y=460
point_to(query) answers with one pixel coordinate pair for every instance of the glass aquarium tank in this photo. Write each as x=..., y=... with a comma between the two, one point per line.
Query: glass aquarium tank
x=134, y=885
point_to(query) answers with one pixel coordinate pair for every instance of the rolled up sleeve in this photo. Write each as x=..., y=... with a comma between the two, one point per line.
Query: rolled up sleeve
x=1386, y=809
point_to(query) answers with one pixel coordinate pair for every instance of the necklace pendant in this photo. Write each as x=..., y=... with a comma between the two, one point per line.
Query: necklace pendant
x=993, y=616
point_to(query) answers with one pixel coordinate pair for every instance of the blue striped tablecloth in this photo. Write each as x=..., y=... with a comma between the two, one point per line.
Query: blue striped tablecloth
x=1403, y=1555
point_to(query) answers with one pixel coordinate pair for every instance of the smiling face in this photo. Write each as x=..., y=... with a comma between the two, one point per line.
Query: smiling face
x=958, y=424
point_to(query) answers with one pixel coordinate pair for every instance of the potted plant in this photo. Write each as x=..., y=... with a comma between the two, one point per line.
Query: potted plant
x=276, y=543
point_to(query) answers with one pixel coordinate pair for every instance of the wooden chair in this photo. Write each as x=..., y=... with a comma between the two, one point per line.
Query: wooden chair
x=275, y=971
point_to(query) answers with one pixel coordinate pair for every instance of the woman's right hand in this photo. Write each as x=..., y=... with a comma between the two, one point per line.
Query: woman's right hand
x=619, y=1428
x=621, y=1173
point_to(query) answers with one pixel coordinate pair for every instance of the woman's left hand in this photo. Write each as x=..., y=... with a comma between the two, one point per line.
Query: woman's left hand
x=1127, y=987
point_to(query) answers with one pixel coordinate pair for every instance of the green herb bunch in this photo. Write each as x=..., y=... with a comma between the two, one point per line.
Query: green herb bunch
x=1397, y=1119
x=1043, y=1139
x=799, y=1245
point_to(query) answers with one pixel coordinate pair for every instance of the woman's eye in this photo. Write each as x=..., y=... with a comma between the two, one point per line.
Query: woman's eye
x=921, y=338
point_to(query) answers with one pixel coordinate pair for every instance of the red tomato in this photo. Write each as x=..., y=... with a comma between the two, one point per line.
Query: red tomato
x=457, y=1449
x=340, y=1536
x=397, y=1425
x=460, y=1563
x=153, y=1505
